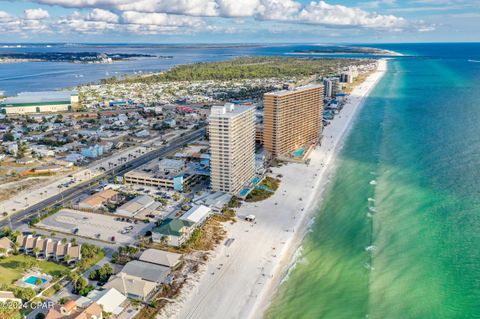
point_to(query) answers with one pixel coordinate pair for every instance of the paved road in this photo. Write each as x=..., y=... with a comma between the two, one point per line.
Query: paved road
x=23, y=216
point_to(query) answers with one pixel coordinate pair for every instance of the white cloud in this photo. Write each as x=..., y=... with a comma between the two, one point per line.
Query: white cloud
x=276, y=10
x=160, y=19
x=79, y=23
x=36, y=14
x=190, y=16
x=281, y=10
x=5, y=16
x=196, y=8
x=235, y=8
x=338, y=15
x=102, y=15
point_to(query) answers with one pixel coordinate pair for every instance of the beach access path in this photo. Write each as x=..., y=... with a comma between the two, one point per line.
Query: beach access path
x=240, y=279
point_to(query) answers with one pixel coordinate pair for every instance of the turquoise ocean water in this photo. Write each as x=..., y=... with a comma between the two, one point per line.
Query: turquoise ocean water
x=398, y=233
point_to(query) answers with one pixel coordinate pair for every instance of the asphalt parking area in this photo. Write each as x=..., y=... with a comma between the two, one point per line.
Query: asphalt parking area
x=94, y=226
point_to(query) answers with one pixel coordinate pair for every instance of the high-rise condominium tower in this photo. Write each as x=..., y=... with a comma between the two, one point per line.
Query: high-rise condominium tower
x=232, y=147
x=292, y=119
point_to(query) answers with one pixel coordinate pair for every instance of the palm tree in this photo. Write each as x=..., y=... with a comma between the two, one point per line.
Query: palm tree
x=74, y=276
x=35, y=251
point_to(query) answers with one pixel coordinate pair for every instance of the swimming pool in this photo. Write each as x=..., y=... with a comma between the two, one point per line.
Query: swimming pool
x=244, y=192
x=32, y=280
x=299, y=152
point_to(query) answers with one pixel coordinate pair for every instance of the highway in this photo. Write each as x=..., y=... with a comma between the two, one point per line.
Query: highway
x=23, y=216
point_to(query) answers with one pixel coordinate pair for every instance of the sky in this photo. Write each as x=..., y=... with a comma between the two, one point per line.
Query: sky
x=240, y=21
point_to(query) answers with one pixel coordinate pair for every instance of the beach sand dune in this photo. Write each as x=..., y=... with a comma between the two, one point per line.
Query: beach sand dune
x=239, y=280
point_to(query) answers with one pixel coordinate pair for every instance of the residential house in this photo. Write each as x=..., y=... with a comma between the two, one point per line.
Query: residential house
x=132, y=286
x=161, y=257
x=173, y=232
x=6, y=246
x=8, y=296
x=70, y=310
x=47, y=248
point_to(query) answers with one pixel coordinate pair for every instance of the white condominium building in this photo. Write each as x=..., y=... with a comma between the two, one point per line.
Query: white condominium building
x=232, y=147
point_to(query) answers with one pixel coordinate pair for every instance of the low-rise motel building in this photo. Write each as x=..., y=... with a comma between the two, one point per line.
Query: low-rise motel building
x=231, y=131
x=292, y=123
x=40, y=102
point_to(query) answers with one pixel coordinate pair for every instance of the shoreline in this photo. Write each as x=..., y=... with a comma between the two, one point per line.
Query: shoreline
x=239, y=281
x=295, y=246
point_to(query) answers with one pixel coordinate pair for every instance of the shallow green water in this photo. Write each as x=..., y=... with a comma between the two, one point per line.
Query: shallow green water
x=398, y=234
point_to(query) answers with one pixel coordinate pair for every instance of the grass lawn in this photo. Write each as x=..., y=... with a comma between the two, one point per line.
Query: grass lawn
x=92, y=261
x=13, y=267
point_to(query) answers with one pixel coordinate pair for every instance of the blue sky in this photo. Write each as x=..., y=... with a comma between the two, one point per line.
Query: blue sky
x=180, y=21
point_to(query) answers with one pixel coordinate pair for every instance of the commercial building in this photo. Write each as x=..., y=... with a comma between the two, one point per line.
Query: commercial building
x=136, y=205
x=93, y=151
x=96, y=201
x=168, y=173
x=40, y=102
x=232, y=147
x=292, y=120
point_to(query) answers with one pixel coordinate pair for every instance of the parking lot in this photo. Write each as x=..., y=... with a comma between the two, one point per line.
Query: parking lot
x=94, y=226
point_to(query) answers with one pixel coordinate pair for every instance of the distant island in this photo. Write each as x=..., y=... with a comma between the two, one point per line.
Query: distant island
x=346, y=50
x=72, y=57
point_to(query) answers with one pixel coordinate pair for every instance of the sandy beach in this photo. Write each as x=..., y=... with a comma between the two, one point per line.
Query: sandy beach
x=239, y=280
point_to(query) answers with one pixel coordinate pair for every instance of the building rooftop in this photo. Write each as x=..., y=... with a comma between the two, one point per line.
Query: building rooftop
x=131, y=285
x=230, y=110
x=172, y=226
x=146, y=271
x=99, y=198
x=160, y=257
x=295, y=90
x=197, y=213
x=168, y=164
x=39, y=97
x=109, y=299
